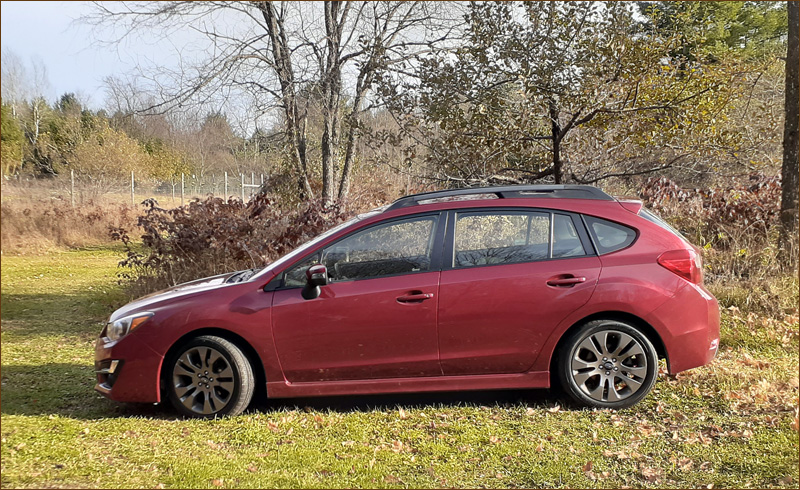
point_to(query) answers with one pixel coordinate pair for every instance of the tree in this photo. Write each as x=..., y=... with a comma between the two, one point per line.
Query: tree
x=503, y=106
x=275, y=50
x=11, y=141
x=751, y=28
x=789, y=170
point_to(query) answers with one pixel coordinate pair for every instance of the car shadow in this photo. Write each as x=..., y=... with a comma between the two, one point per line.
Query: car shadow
x=67, y=390
x=366, y=403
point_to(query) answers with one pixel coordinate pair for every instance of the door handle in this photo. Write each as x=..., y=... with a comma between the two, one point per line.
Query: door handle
x=414, y=297
x=565, y=281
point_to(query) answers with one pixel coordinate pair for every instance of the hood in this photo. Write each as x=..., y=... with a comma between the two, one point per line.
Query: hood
x=185, y=289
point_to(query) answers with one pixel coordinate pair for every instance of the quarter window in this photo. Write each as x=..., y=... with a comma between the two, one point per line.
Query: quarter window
x=398, y=247
x=609, y=236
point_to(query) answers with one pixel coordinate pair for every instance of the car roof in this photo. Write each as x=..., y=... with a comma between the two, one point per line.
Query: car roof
x=560, y=191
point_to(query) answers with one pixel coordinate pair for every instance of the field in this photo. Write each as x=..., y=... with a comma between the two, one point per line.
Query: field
x=731, y=424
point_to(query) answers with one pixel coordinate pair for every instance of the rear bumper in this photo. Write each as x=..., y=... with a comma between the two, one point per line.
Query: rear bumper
x=134, y=377
x=689, y=327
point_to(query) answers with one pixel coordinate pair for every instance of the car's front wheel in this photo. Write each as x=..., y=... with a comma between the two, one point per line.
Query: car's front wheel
x=209, y=377
x=607, y=364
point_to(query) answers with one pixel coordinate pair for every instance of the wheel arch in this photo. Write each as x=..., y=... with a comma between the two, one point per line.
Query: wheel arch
x=644, y=327
x=249, y=352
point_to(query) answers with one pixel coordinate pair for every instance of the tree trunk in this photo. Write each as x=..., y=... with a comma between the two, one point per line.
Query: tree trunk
x=789, y=172
x=295, y=130
x=331, y=90
x=361, y=92
x=556, y=137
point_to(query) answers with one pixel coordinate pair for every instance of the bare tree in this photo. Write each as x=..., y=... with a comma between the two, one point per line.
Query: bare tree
x=280, y=52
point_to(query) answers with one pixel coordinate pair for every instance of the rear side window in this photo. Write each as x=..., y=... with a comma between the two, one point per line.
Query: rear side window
x=487, y=238
x=609, y=236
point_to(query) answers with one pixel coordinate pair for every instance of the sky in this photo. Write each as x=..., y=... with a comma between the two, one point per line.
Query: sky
x=75, y=62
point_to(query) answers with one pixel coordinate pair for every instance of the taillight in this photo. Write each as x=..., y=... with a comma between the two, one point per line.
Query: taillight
x=686, y=263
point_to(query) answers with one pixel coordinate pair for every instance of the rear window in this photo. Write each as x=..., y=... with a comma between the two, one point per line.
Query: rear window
x=609, y=236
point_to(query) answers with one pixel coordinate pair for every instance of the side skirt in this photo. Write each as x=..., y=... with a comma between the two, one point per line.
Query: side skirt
x=285, y=389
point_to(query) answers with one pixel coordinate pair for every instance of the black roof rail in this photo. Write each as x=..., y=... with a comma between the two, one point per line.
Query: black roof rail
x=563, y=191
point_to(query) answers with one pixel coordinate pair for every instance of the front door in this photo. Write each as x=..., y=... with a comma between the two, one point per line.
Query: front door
x=377, y=316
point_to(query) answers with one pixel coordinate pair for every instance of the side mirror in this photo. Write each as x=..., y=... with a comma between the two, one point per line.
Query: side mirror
x=316, y=276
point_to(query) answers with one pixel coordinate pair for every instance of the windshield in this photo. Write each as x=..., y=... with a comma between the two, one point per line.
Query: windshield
x=299, y=251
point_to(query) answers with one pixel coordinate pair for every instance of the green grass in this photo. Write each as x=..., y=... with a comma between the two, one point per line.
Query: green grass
x=730, y=424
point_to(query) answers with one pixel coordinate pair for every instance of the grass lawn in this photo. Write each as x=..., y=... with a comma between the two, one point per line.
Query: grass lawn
x=731, y=424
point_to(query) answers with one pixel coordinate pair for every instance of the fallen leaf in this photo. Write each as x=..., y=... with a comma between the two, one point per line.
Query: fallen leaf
x=217, y=482
x=403, y=414
x=392, y=479
x=650, y=474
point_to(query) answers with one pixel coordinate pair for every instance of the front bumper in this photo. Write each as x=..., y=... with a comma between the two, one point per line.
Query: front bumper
x=135, y=375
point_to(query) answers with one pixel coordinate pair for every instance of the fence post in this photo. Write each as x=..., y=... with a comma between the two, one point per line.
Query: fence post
x=226, y=186
x=182, y=184
x=133, y=200
x=262, y=180
x=72, y=186
x=252, y=178
x=242, y=188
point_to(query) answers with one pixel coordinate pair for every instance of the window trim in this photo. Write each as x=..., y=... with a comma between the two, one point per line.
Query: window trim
x=449, y=240
x=436, y=247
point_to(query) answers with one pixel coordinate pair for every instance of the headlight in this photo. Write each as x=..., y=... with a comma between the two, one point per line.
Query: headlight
x=122, y=327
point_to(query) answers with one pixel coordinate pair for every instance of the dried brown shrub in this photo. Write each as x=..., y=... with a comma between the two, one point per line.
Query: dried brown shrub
x=213, y=236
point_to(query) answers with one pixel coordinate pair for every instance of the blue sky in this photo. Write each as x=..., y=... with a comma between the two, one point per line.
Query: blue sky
x=74, y=61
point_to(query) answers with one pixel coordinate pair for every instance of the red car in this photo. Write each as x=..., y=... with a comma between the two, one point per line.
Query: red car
x=471, y=289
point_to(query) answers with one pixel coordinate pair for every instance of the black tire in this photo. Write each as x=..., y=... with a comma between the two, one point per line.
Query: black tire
x=616, y=375
x=209, y=377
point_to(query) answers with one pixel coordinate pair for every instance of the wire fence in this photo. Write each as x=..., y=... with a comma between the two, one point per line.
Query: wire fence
x=177, y=191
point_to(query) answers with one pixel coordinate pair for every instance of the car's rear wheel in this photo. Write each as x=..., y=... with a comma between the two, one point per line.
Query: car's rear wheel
x=607, y=364
x=209, y=377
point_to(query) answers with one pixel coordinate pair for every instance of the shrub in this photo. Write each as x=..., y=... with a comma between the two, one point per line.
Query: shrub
x=213, y=236
x=737, y=227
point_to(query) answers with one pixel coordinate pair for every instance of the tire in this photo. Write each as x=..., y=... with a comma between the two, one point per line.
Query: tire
x=209, y=377
x=607, y=364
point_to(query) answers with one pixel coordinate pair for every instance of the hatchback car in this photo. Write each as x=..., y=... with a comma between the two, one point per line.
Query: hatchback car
x=471, y=289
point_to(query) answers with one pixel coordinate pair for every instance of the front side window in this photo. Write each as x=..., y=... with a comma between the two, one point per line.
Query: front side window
x=399, y=247
x=503, y=237
x=296, y=276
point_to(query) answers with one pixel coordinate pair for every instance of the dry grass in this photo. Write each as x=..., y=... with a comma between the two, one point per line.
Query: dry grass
x=36, y=225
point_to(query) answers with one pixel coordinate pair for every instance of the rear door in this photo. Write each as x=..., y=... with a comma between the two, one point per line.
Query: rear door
x=509, y=277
